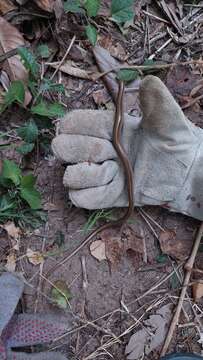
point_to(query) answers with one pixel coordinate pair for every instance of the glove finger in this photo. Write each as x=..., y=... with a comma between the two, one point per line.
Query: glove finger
x=97, y=123
x=86, y=175
x=100, y=197
x=79, y=148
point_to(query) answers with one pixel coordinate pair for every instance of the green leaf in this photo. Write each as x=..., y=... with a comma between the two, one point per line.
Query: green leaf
x=11, y=171
x=174, y=281
x=49, y=110
x=91, y=33
x=121, y=10
x=127, y=74
x=92, y=7
x=162, y=259
x=25, y=148
x=148, y=62
x=60, y=294
x=43, y=51
x=31, y=196
x=48, y=85
x=28, y=132
x=15, y=93
x=29, y=61
x=33, y=86
x=29, y=193
x=73, y=6
x=7, y=203
x=28, y=181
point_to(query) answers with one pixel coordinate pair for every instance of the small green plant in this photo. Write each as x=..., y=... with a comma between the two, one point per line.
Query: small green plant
x=87, y=8
x=96, y=216
x=37, y=86
x=39, y=108
x=19, y=199
x=121, y=11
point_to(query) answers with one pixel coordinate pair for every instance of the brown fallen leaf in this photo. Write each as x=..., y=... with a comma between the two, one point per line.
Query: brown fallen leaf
x=13, y=232
x=11, y=38
x=11, y=263
x=101, y=97
x=175, y=247
x=6, y=6
x=74, y=71
x=126, y=244
x=46, y=5
x=50, y=207
x=151, y=337
x=97, y=249
x=197, y=291
x=115, y=49
x=34, y=257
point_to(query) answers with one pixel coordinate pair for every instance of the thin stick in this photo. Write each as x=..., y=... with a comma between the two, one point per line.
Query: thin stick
x=152, y=220
x=150, y=67
x=188, y=267
x=64, y=57
x=8, y=54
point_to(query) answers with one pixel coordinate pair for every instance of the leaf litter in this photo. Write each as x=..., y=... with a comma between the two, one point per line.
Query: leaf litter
x=152, y=336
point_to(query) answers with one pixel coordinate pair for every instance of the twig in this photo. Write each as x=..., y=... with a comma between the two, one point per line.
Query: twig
x=148, y=223
x=188, y=267
x=64, y=57
x=84, y=273
x=192, y=102
x=41, y=269
x=150, y=67
x=8, y=54
x=152, y=220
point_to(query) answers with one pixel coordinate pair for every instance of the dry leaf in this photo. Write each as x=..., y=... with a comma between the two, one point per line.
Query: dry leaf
x=11, y=38
x=114, y=248
x=50, y=207
x=152, y=336
x=130, y=244
x=11, y=263
x=34, y=257
x=6, y=6
x=100, y=96
x=74, y=71
x=115, y=49
x=60, y=294
x=13, y=232
x=136, y=345
x=159, y=325
x=46, y=5
x=197, y=291
x=177, y=248
x=97, y=249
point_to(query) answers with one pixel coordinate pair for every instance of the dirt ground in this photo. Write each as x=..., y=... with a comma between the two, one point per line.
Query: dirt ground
x=106, y=288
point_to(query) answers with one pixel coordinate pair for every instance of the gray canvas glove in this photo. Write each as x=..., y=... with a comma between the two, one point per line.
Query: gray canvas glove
x=165, y=151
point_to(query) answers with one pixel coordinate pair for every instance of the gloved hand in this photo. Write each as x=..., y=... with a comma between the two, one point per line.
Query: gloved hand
x=165, y=151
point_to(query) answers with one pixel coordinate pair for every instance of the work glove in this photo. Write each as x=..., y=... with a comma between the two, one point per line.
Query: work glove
x=164, y=148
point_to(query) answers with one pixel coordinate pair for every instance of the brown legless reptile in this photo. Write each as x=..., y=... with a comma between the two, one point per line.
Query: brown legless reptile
x=117, y=129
